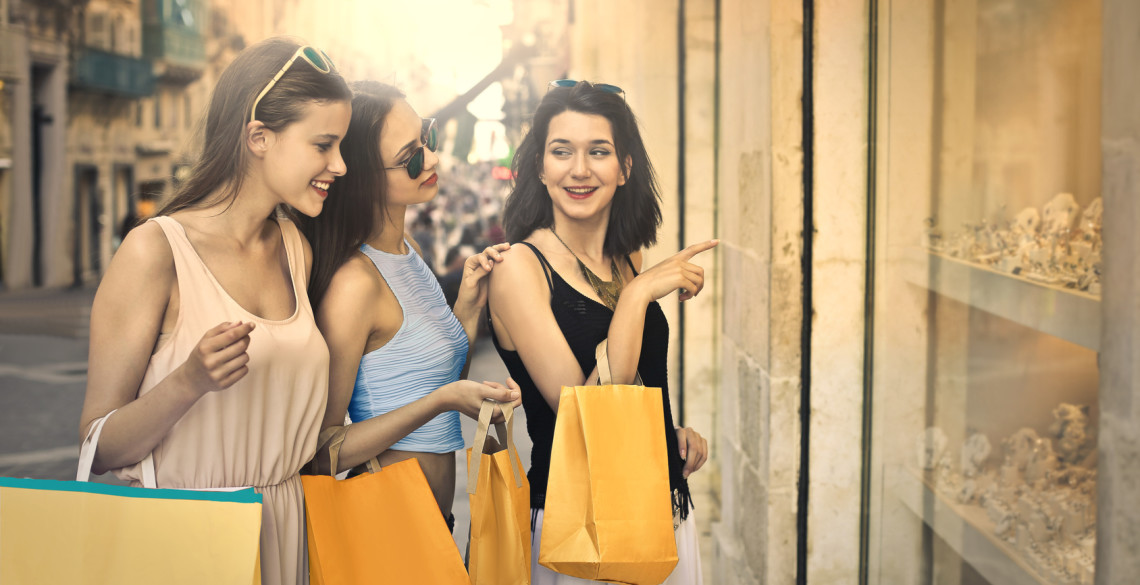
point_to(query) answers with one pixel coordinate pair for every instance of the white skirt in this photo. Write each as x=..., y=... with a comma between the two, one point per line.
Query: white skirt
x=687, y=571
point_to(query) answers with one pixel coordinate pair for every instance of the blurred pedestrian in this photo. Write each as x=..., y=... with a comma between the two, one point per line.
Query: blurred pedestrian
x=423, y=232
x=203, y=342
x=399, y=355
x=585, y=203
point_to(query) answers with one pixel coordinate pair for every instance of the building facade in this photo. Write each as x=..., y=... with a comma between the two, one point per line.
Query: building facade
x=917, y=363
x=99, y=106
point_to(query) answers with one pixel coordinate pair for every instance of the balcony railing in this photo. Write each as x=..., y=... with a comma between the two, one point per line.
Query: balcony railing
x=175, y=45
x=104, y=72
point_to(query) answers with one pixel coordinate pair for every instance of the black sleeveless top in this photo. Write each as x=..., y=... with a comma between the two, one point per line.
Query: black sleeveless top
x=585, y=323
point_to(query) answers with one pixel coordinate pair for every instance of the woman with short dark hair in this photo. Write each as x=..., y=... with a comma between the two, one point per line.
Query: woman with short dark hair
x=584, y=205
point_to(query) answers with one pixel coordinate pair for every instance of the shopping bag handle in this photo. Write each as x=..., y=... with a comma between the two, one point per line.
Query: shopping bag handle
x=334, y=438
x=604, y=376
x=506, y=431
x=91, y=444
x=87, y=449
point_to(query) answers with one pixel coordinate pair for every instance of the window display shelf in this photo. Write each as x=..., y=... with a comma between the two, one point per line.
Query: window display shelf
x=1065, y=313
x=967, y=530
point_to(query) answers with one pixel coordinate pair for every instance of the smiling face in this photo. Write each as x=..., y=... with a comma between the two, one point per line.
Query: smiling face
x=580, y=166
x=303, y=159
x=399, y=140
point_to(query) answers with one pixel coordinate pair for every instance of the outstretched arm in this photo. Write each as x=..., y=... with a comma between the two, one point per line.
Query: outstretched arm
x=348, y=317
x=473, y=288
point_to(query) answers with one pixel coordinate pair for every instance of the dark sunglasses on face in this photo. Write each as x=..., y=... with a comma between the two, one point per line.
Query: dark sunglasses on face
x=429, y=138
x=315, y=57
x=598, y=86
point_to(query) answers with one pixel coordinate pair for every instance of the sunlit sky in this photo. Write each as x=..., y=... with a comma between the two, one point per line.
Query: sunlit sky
x=453, y=43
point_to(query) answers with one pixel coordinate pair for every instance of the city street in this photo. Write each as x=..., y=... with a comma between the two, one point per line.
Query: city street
x=43, y=372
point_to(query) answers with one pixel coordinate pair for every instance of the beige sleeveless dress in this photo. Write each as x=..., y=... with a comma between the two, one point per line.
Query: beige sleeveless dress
x=260, y=431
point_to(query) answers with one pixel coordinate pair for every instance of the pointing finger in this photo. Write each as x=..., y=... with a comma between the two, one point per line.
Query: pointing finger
x=697, y=248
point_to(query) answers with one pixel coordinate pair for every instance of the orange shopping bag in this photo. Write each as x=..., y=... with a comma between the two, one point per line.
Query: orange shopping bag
x=500, y=506
x=609, y=512
x=379, y=527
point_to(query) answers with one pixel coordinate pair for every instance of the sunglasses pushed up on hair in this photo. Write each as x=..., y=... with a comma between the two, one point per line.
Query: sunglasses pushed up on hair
x=598, y=86
x=315, y=57
x=429, y=139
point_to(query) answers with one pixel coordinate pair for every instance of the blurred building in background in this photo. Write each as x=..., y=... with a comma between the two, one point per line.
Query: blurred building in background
x=102, y=100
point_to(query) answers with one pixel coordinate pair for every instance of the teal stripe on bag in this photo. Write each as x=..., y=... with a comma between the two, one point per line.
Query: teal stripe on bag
x=241, y=496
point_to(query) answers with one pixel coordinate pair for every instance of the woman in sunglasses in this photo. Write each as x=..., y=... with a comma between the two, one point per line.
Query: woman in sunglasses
x=399, y=354
x=203, y=342
x=584, y=204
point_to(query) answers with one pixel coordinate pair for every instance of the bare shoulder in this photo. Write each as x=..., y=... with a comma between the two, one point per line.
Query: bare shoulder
x=137, y=287
x=520, y=264
x=354, y=285
x=144, y=253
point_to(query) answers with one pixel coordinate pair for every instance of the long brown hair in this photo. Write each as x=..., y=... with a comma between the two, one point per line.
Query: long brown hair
x=221, y=167
x=357, y=200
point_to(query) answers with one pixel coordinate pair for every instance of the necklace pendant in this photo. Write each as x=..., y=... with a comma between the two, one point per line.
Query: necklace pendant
x=608, y=292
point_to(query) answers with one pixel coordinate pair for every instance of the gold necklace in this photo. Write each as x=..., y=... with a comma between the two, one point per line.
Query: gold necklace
x=608, y=292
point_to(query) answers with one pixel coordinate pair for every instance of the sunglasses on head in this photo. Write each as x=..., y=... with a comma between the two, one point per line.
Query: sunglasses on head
x=311, y=55
x=598, y=86
x=429, y=138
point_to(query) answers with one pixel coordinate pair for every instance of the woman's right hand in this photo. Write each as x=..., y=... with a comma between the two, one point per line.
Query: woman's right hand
x=219, y=360
x=467, y=396
x=676, y=272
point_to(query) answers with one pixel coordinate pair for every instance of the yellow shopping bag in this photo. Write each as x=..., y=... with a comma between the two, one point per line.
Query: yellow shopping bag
x=609, y=513
x=55, y=532
x=378, y=527
x=499, y=494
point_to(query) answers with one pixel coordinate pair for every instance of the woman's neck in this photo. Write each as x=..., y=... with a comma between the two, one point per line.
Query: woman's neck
x=240, y=218
x=586, y=239
x=388, y=234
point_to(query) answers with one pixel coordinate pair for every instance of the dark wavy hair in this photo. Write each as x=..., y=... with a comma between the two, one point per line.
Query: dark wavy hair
x=224, y=158
x=635, y=213
x=358, y=199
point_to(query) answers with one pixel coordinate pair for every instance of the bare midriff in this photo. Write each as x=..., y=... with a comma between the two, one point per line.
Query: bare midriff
x=439, y=469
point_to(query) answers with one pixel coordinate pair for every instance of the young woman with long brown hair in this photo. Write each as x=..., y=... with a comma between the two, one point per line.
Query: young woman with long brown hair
x=203, y=342
x=399, y=354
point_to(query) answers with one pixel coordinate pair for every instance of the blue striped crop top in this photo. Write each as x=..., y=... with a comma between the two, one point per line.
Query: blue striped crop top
x=427, y=352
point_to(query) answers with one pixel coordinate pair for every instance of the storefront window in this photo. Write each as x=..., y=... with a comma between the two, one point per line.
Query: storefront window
x=987, y=269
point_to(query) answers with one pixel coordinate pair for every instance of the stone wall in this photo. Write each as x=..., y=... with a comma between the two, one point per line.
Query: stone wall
x=760, y=220
x=1118, y=518
x=839, y=210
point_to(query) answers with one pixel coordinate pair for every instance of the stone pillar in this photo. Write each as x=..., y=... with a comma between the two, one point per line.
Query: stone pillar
x=18, y=244
x=839, y=264
x=760, y=219
x=57, y=199
x=1118, y=516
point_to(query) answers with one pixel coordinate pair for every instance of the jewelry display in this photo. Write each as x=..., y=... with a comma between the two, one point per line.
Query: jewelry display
x=1058, y=246
x=1040, y=501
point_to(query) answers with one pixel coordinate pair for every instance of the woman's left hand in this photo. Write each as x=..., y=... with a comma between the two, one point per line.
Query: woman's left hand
x=473, y=288
x=694, y=450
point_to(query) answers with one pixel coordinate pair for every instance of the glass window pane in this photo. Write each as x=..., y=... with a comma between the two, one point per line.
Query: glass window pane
x=987, y=283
